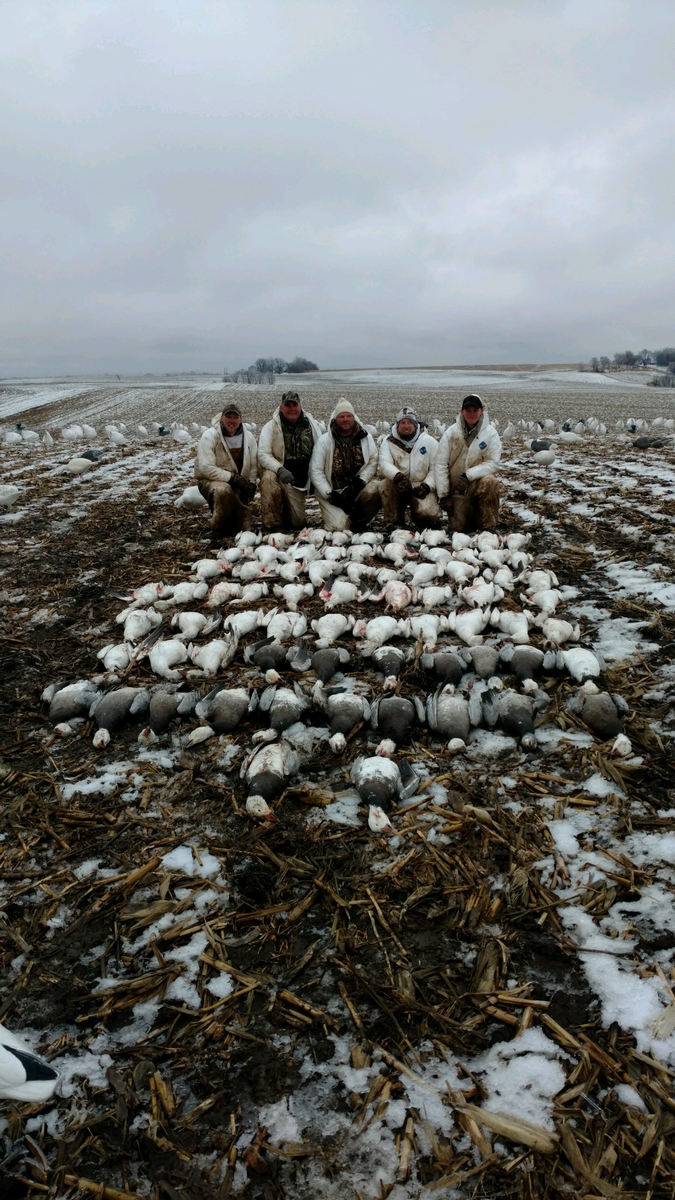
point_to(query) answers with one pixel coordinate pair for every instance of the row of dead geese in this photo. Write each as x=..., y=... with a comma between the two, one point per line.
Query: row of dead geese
x=312, y=693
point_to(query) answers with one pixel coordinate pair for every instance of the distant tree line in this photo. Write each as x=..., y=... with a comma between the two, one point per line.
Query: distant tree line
x=264, y=370
x=643, y=358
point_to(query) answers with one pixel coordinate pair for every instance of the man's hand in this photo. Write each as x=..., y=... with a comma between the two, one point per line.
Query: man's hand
x=247, y=491
x=285, y=476
x=461, y=485
x=235, y=481
x=421, y=491
x=337, y=499
x=445, y=503
x=401, y=483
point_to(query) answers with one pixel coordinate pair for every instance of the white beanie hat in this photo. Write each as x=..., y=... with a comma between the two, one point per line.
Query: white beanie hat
x=343, y=406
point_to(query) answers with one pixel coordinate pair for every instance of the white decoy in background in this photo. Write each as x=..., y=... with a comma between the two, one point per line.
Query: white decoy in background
x=73, y=433
x=544, y=458
x=24, y=1076
x=182, y=436
x=190, y=498
x=12, y=438
x=9, y=494
x=76, y=466
x=117, y=438
x=47, y=440
x=89, y=431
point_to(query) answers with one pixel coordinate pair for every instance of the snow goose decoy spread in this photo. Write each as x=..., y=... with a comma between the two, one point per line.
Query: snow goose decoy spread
x=24, y=1076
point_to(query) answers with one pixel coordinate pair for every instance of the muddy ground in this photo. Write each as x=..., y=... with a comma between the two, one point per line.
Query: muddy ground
x=401, y=965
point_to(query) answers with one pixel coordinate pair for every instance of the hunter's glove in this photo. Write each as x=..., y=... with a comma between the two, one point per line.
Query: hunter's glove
x=401, y=483
x=445, y=503
x=421, y=491
x=285, y=476
x=461, y=485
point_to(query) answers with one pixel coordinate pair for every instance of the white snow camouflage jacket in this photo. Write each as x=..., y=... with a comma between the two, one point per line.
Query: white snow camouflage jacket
x=215, y=463
x=271, y=444
x=454, y=458
x=417, y=465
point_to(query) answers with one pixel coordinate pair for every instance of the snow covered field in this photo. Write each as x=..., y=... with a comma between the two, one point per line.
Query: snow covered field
x=307, y=1009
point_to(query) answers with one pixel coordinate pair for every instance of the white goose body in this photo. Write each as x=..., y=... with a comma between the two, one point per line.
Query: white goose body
x=24, y=1076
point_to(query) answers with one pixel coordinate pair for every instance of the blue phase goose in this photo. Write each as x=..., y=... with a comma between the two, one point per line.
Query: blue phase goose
x=23, y=1074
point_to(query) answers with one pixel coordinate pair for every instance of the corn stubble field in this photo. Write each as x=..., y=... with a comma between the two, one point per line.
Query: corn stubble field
x=482, y=1005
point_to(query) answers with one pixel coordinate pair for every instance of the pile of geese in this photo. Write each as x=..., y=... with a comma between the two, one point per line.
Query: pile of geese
x=462, y=638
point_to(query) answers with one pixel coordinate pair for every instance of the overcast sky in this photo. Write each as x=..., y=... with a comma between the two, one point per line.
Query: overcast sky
x=188, y=184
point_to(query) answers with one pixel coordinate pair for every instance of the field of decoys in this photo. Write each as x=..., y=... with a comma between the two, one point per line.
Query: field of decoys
x=336, y=864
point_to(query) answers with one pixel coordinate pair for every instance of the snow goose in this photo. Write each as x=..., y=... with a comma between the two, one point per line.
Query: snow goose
x=328, y=662
x=253, y=593
x=516, y=713
x=224, y=707
x=72, y=700
x=582, y=664
x=433, y=596
x=376, y=779
x=344, y=709
x=166, y=704
x=115, y=708
x=242, y=623
x=395, y=718
x=448, y=713
x=598, y=711
x=267, y=770
x=285, y=625
x=522, y=661
x=223, y=592
x=469, y=625
x=336, y=593
x=390, y=660
x=556, y=631
x=76, y=466
x=446, y=666
x=285, y=707
x=267, y=655
x=330, y=627
x=376, y=632
x=514, y=625
x=190, y=624
x=24, y=1076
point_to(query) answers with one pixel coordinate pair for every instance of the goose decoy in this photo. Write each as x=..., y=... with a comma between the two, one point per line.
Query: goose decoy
x=191, y=497
x=73, y=700
x=115, y=708
x=329, y=662
x=24, y=1076
x=395, y=718
x=390, y=660
x=544, y=458
x=9, y=494
x=76, y=466
x=225, y=707
x=445, y=666
x=448, y=713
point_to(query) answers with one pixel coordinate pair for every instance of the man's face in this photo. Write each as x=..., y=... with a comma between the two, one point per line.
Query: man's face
x=471, y=415
x=406, y=428
x=345, y=422
x=230, y=423
x=291, y=410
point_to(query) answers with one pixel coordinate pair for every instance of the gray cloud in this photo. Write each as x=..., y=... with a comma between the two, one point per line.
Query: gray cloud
x=362, y=181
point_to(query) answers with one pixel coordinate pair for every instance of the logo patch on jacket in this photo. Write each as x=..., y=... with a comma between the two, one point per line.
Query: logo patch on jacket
x=482, y=445
x=423, y=449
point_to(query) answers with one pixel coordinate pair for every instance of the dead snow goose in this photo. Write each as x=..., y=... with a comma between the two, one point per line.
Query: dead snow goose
x=24, y=1076
x=448, y=713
